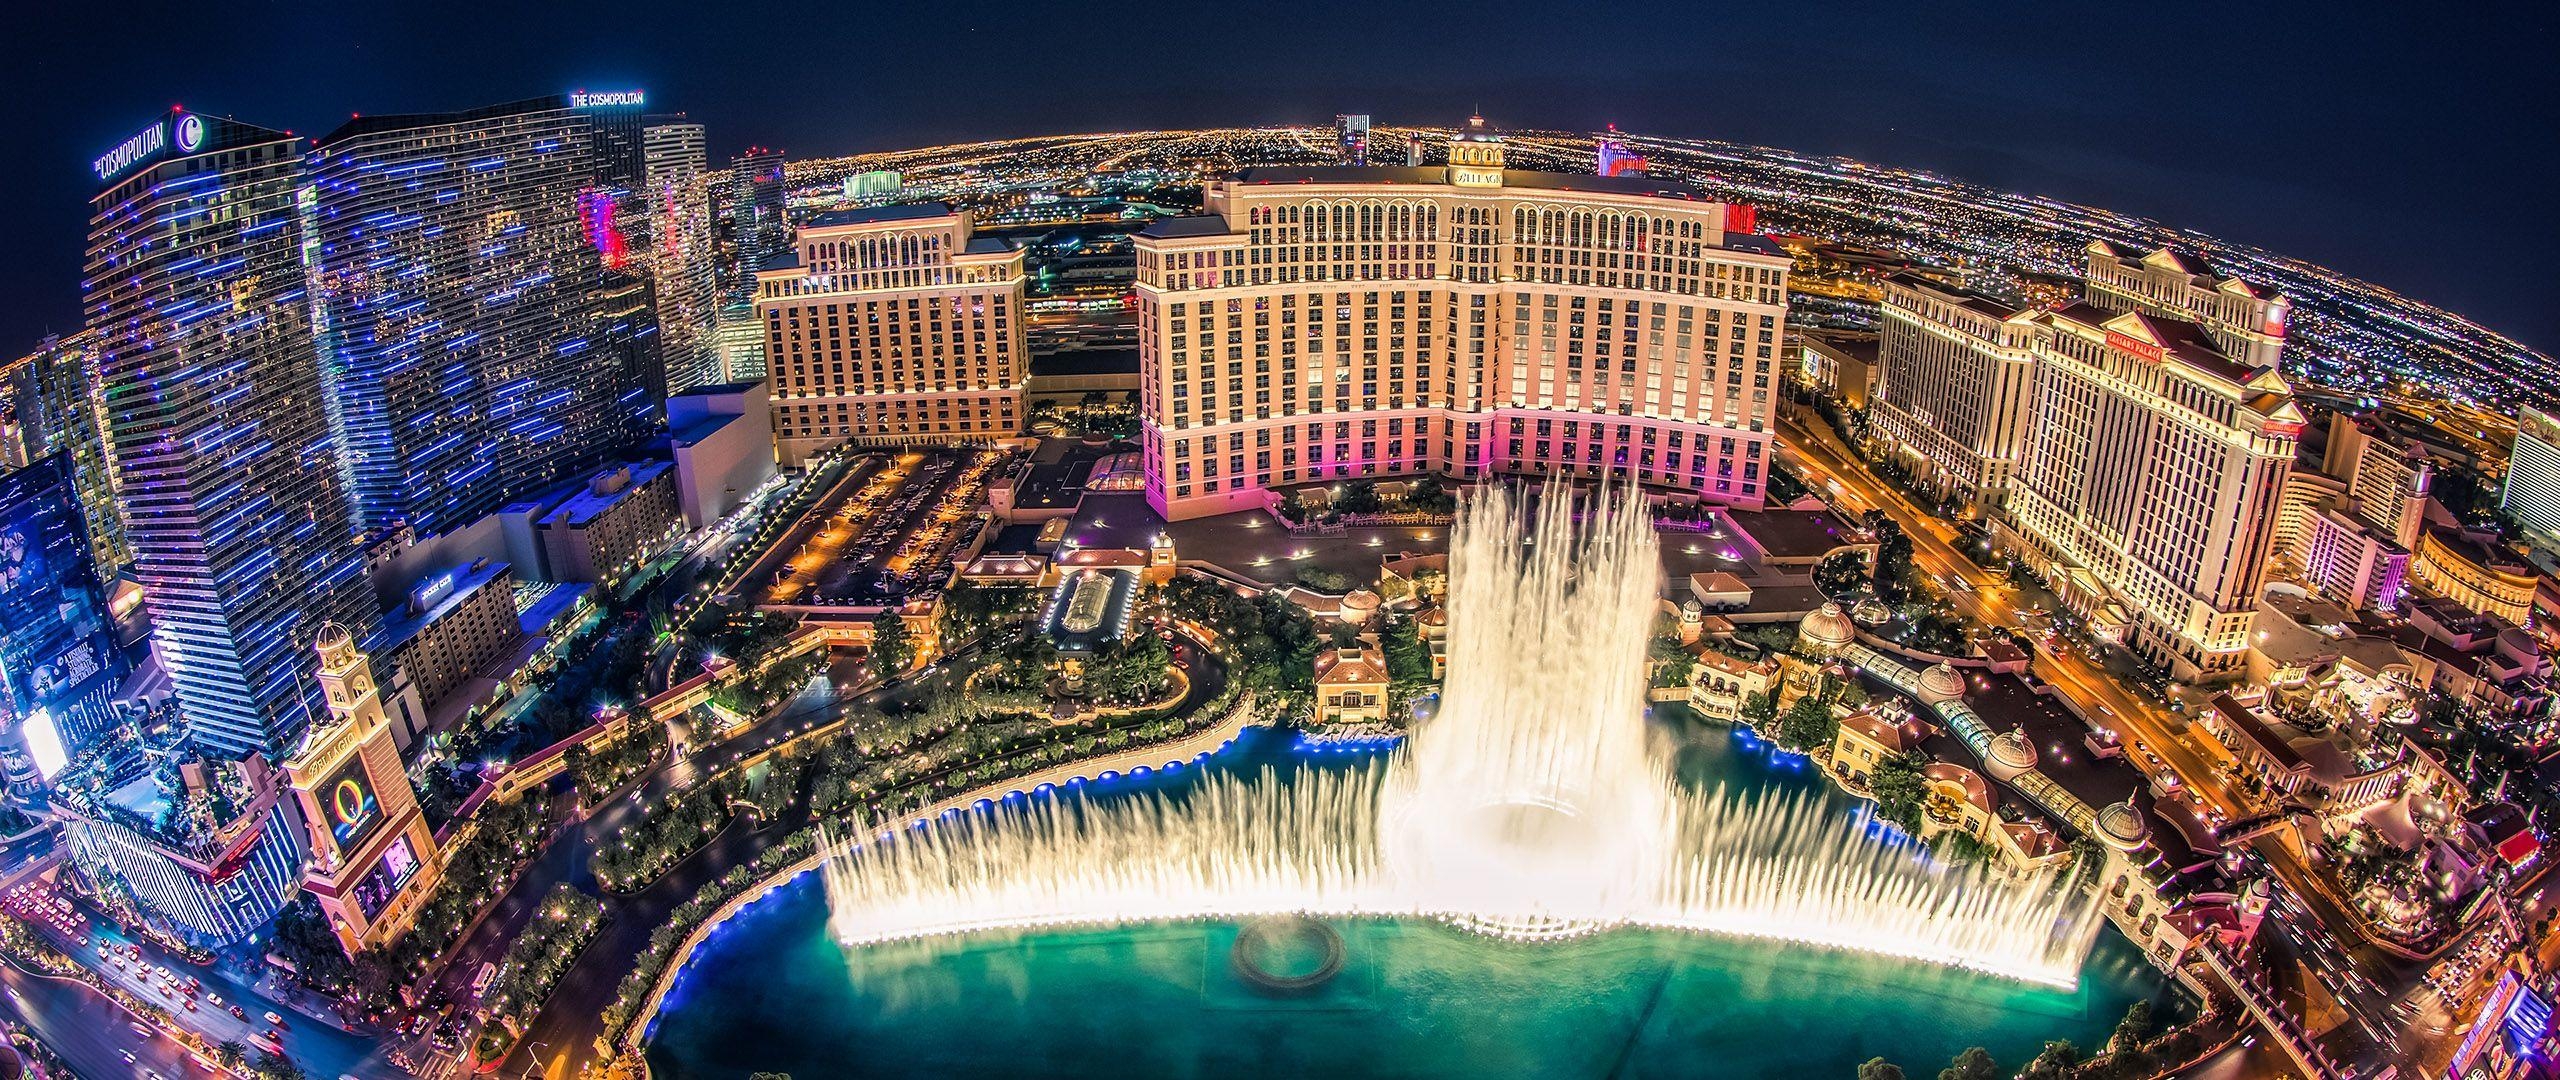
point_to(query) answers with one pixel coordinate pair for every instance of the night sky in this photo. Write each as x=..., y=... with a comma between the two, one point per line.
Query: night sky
x=2412, y=147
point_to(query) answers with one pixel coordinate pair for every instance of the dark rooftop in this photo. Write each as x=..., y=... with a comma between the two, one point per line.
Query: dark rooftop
x=1658, y=187
x=1179, y=227
x=873, y=215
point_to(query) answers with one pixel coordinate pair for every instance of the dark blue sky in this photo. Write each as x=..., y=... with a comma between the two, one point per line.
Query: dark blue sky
x=2412, y=145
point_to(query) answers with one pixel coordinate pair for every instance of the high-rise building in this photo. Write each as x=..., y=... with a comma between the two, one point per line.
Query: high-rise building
x=894, y=323
x=220, y=419
x=470, y=306
x=739, y=336
x=2531, y=493
x=759, y=218
x=617, y=140
x=1325, y=323
x=373, y=858
x=2247, y=321
x=2151, y=490
x=2387, y=475
x=58, y=659
x=1351, y=137
x=683, y=253
x=673, y=149
x=1413, y=150
x=56, y=408
x=1612, y=158
x=1956, y=371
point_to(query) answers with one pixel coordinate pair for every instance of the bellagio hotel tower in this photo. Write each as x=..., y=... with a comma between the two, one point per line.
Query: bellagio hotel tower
x=1318, y=324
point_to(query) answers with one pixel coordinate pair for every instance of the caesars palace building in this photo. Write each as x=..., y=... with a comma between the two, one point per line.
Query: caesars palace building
x=1324, y=323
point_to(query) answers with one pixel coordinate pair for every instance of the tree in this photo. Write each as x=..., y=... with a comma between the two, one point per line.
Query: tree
x=1359, y=497
x=1974, y=1064
x=277, y=1067
x=2054, y=1063
x=2135, y=1027
x=1808, y=724
x=1879, y=1069
x=1430, y=496
x=891, y=650
x=1901, y=785
x=1759, y=709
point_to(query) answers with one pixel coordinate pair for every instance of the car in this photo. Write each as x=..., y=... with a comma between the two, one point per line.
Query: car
x=127, y=1055
x=141, y=1030
x=213, y=999
x=191, y=1004
x=239, y=1013
x=272, y=1018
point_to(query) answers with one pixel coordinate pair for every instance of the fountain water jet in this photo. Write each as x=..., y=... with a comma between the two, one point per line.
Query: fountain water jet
x=1535, y=804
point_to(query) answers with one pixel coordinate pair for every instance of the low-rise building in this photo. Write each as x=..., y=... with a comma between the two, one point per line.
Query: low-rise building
x=1351, y=686
x=2294, y=766
x=1865, y=739
x=1721, y=684
x=1842, y=363
x=2475, y=571
x=2352, y=564
x=723, y=442
x=606, y=528
x=454, y=628
x=208, y=850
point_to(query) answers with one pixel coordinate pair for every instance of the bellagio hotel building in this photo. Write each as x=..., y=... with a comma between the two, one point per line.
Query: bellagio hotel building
x=1318, y=324
x=893, y=325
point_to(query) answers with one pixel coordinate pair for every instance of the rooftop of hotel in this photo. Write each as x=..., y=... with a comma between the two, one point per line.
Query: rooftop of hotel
x=404, y=623
x=583, y=506
x=1652, y=186
x=2186, y=341
x=1979, y=303
x=878, y=215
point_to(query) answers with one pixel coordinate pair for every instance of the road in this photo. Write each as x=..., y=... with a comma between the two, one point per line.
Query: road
x=2369, y=980
x=322, y=1048
x=90, y=1031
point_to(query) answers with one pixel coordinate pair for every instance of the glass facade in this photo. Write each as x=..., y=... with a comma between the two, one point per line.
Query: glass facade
x=58, y=662
x=217, y=420
x=471, y=317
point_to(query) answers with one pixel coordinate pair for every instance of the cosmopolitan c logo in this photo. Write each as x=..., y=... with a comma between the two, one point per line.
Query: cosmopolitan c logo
x=190, y=133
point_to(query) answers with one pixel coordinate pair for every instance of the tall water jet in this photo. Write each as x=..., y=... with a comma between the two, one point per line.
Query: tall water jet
x=1535, y=801
x=1535, y=804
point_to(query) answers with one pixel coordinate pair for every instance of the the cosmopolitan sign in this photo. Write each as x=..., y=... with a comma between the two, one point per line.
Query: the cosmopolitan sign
x=186, y=129
x=133, y=151
x=580, y=99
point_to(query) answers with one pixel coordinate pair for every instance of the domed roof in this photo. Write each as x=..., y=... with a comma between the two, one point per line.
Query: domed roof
x=1435, y=615
x=1360, y=599
x=333, y=637
x=2121, y=826
x=1941, y=683
x=2011, y=755
x=1827, y=629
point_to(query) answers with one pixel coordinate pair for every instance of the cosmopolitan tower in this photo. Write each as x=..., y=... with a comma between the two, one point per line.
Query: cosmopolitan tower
x=230, y=486
x=1333, y=322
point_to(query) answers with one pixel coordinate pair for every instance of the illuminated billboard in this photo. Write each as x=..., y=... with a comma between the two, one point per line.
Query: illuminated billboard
x=57, y=651
x=398, y=865
x=348, y=805
x=44, y=744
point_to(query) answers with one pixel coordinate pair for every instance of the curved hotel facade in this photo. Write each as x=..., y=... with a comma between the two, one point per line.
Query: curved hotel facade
x=1327, y=323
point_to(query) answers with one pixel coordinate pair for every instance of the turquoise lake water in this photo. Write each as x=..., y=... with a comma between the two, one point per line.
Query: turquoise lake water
x=771, y=992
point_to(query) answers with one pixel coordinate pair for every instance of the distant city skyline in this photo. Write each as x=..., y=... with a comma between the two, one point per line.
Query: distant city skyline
x=2284, y=126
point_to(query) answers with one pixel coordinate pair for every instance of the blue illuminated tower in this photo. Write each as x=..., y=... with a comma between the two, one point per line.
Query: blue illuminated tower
x=240, y=531
x=477, y=304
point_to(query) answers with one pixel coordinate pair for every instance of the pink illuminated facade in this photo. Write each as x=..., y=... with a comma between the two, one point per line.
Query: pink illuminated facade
x=1331, y=323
